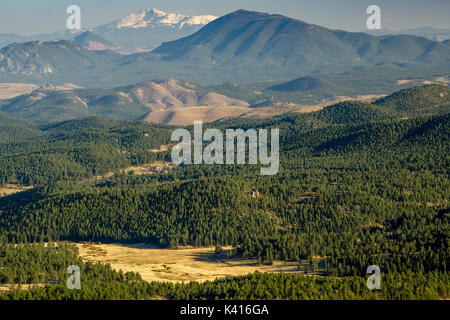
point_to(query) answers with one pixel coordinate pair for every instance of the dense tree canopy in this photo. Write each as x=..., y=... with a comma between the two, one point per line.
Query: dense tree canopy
x=357, y=186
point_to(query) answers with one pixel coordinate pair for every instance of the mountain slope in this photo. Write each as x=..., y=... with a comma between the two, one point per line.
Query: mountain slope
x=409, y=134
x=171, y=94
x=61, y=58
x=303, y=84
x=351, y=112
x=246, y=39
x=93, y=41
x=7, y=120
x=13, y=129
x=428, y=99
x=10, y=38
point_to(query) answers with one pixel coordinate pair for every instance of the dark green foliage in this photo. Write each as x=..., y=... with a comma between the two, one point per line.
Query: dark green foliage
x=352, y=112
x=46, y=266
x=303, y=84
x=296, y=287
x=428, y=99
x=13, y=129
x=77, y=149
x=123, y=104
x=188, y=214
x=339, y=191
x=357, y=186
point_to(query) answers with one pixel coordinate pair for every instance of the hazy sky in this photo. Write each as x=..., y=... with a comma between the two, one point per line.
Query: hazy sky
x=39, y=16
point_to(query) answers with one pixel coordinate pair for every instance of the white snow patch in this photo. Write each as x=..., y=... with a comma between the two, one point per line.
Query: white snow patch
x=154, y=17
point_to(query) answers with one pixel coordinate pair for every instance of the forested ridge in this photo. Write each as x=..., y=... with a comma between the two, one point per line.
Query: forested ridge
x=357, y=186
x=426, y=99
x=77, y=149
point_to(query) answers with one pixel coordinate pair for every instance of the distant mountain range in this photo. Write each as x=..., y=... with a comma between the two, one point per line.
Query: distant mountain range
x=427, y=32
x=36, y=59
x=242, y=46
x=137, y=32
x=149, y=28
x=11, y=38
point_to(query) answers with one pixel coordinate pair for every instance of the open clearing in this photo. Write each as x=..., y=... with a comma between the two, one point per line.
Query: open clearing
x=176, y=265
x=27, y=286
x=187, y=115
x=144, y=169
x=417, y=82
x=9, y=189
x=11, y=90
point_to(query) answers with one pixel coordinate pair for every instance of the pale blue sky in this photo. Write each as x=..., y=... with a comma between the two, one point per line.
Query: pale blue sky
x=38, y=16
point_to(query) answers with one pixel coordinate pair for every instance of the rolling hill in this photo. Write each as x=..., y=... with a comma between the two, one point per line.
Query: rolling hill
x=305, y=84
x=13, y=129
x=93, y=41
x=128, y=103
x=178, y=102
x=301, y=84
x=351, y=112
x=428, y=99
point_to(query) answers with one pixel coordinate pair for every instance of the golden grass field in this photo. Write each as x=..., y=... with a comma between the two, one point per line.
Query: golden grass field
x=176, y=265
x=9, y=189
x=417, y=82
x=11, y=90
x=187, y=115
x=8, y=287
x=144, y=169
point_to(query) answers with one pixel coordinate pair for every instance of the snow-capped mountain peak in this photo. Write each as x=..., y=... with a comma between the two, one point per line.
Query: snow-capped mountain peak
x=154, y=17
